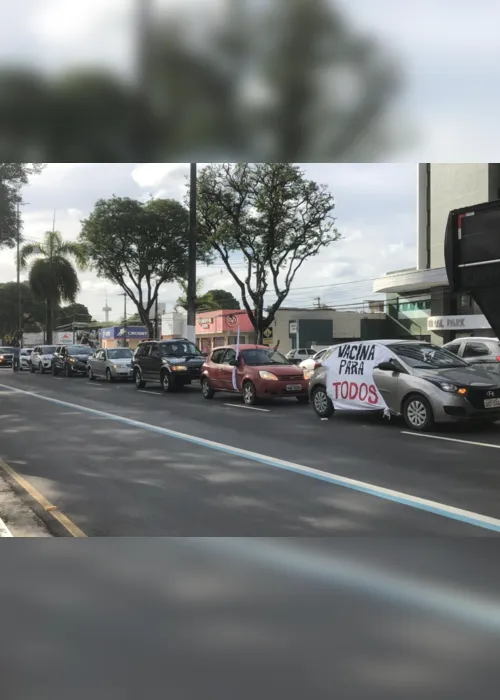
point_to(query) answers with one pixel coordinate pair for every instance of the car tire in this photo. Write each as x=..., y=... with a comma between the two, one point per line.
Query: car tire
x=67, y=371
x=249, y=394
x=167, y=382
x=139, y=381
x=418, y=413
x=41, y=368
x=303, y=399
x=206, y=389
x=109, y=376
x=90, y=374
x=322, y=403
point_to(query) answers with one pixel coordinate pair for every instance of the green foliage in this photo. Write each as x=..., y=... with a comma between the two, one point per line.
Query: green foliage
x=139, y=246
x=12, y=178
x=33, y=310
x=271, y=216
x=78, y=312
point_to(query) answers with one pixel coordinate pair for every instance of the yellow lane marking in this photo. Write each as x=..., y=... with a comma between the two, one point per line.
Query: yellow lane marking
x=68, y=524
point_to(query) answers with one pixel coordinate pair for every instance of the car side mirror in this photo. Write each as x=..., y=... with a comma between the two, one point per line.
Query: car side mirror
x=388, y=367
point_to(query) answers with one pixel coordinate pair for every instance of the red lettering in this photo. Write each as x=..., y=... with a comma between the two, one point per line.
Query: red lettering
x=373, y=396
x=363, y=388
x=353, y=392
x=344, y=390
x=336, y=389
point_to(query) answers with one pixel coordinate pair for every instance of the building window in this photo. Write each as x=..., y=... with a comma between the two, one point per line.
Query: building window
x=465, y=301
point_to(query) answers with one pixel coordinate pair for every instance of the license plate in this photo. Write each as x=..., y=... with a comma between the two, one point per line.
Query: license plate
x=492, y=403
x=294, y=387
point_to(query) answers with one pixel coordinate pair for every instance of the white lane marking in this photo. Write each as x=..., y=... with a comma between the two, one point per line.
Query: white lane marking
x=449, y=439
x=250, y=408
x=149, y=393
x=485, y=522
x=4, y=530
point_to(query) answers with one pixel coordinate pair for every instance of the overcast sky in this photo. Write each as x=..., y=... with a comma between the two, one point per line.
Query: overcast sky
x=375, y=210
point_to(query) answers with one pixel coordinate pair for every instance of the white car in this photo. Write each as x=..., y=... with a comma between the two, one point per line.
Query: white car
x=300, y=354
x=309, y=365
x=41, y=358
x=24, y=359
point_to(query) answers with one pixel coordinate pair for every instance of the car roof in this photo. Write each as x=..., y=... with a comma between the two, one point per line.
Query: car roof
x=243, y=346
x=473, y=337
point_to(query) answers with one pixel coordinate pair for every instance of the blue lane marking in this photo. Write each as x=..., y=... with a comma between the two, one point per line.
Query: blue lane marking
x=450, y=512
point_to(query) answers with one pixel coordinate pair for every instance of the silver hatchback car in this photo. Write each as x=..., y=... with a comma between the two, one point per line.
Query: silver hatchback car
x=426, y=384
x=115, y=363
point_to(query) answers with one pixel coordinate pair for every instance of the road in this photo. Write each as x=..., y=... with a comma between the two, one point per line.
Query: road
x=293, y=583
x=122, y=462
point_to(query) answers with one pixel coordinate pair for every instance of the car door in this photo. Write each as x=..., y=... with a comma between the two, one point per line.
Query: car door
x=389, y=383
x=227, y=370
x=98, y=363
x=57, y=359
x=214, y=368
x=34, y=359
x=154, y=362
x=476, y=352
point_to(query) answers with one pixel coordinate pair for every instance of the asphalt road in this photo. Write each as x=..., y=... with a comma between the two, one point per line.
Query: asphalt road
x=119, y=462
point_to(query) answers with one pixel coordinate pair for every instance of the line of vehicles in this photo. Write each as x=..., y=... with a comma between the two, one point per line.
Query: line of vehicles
x=424, y=383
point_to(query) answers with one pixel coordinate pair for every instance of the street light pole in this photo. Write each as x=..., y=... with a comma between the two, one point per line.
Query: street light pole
x=18, y=243
x=124, y=319
x=191, y=286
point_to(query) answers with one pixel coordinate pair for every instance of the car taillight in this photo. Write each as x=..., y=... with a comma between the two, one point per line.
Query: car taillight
x=498, y=358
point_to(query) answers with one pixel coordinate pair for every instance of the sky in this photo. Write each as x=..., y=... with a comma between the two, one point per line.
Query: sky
x=375, y=213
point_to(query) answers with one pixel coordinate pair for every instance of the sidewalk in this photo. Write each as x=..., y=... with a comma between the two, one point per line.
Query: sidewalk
x=16, y=518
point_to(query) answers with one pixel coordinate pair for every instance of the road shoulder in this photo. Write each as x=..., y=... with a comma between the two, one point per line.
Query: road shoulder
x=17, y=517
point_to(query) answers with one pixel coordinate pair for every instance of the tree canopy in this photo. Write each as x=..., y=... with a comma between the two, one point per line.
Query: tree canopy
x=32, y=310
x=273, y=218
x=73, y=312
x=139, y=246
x=12, y=178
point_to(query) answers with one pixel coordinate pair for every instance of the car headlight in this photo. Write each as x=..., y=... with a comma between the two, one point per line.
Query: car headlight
x=308, y=373
x=268, y=375
x=452, y=388
x=72, y=359
x=178, y=368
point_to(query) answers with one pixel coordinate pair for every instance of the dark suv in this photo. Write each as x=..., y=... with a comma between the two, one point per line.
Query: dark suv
x=171, y=363
x=71, y=359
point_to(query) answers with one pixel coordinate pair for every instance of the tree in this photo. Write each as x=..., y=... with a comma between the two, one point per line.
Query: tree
x=33, y=311
x=76, y=312
x=304, y=84
x=204, y=302
x=12, y=177
x=139, y=246
x=223, y=299
x=270, y=215
x=53, y=276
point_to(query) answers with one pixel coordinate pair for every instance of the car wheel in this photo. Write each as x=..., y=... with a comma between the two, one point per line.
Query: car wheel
x=322, y=403
x=249, y=394
x=303, y=399
x=139, y=382
x=90, y=374
x=41, y=368
x=109, y=376
x=417, y=413
x=32, y=368
x=167, y=382
x=206, y=389
x=67, y=370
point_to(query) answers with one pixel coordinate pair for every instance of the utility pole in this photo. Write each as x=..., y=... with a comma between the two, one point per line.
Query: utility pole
x=318, y=301
x=156, y=319
x=191, y=286
x=18, y=242
x=125, y=344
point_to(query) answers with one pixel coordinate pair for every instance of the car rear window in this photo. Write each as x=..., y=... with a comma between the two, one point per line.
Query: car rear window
x=48, y=349
x=80, y=350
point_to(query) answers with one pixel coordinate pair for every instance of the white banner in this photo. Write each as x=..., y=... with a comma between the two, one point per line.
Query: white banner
x=350, y=383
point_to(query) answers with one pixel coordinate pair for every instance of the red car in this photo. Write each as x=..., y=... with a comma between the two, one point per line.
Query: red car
x=261, y=372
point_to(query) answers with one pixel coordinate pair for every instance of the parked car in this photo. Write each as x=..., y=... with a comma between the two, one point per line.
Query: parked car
x=6, y=357
x=24, y=359
x=171, y=363
x=261, y=372
x=308, y=366
x=477, y=351
x=300, y=354
x=112, y=363
x=41, y=358
x=71, y=359
x=425, y=383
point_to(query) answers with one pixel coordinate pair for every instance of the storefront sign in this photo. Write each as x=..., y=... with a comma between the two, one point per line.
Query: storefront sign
x=350, y=381
x=205, y=323
x=293, y=327
x=120, y=332
x=457, y=323
x=268, y=336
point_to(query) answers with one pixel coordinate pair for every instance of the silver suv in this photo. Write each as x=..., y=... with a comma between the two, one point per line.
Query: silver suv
x=41, y=358
x=477, y=351
x=426, y=384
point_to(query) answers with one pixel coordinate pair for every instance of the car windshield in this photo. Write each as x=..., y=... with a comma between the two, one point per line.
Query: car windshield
x=26, y=351
x=120, y=354
x=80, y=350
x=48, y=349
x=427, y=356
x=262, y=356
x=180, y=349
x=2, y=350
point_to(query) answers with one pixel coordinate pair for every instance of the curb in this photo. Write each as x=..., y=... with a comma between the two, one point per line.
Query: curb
x=4, y=530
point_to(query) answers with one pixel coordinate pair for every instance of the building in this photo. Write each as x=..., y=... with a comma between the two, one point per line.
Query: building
x=114, y=336
x=217, y=328
x=419, y=300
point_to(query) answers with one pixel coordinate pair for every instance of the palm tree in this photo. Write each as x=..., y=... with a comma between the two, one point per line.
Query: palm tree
x=204, y=302
x=53, y=276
